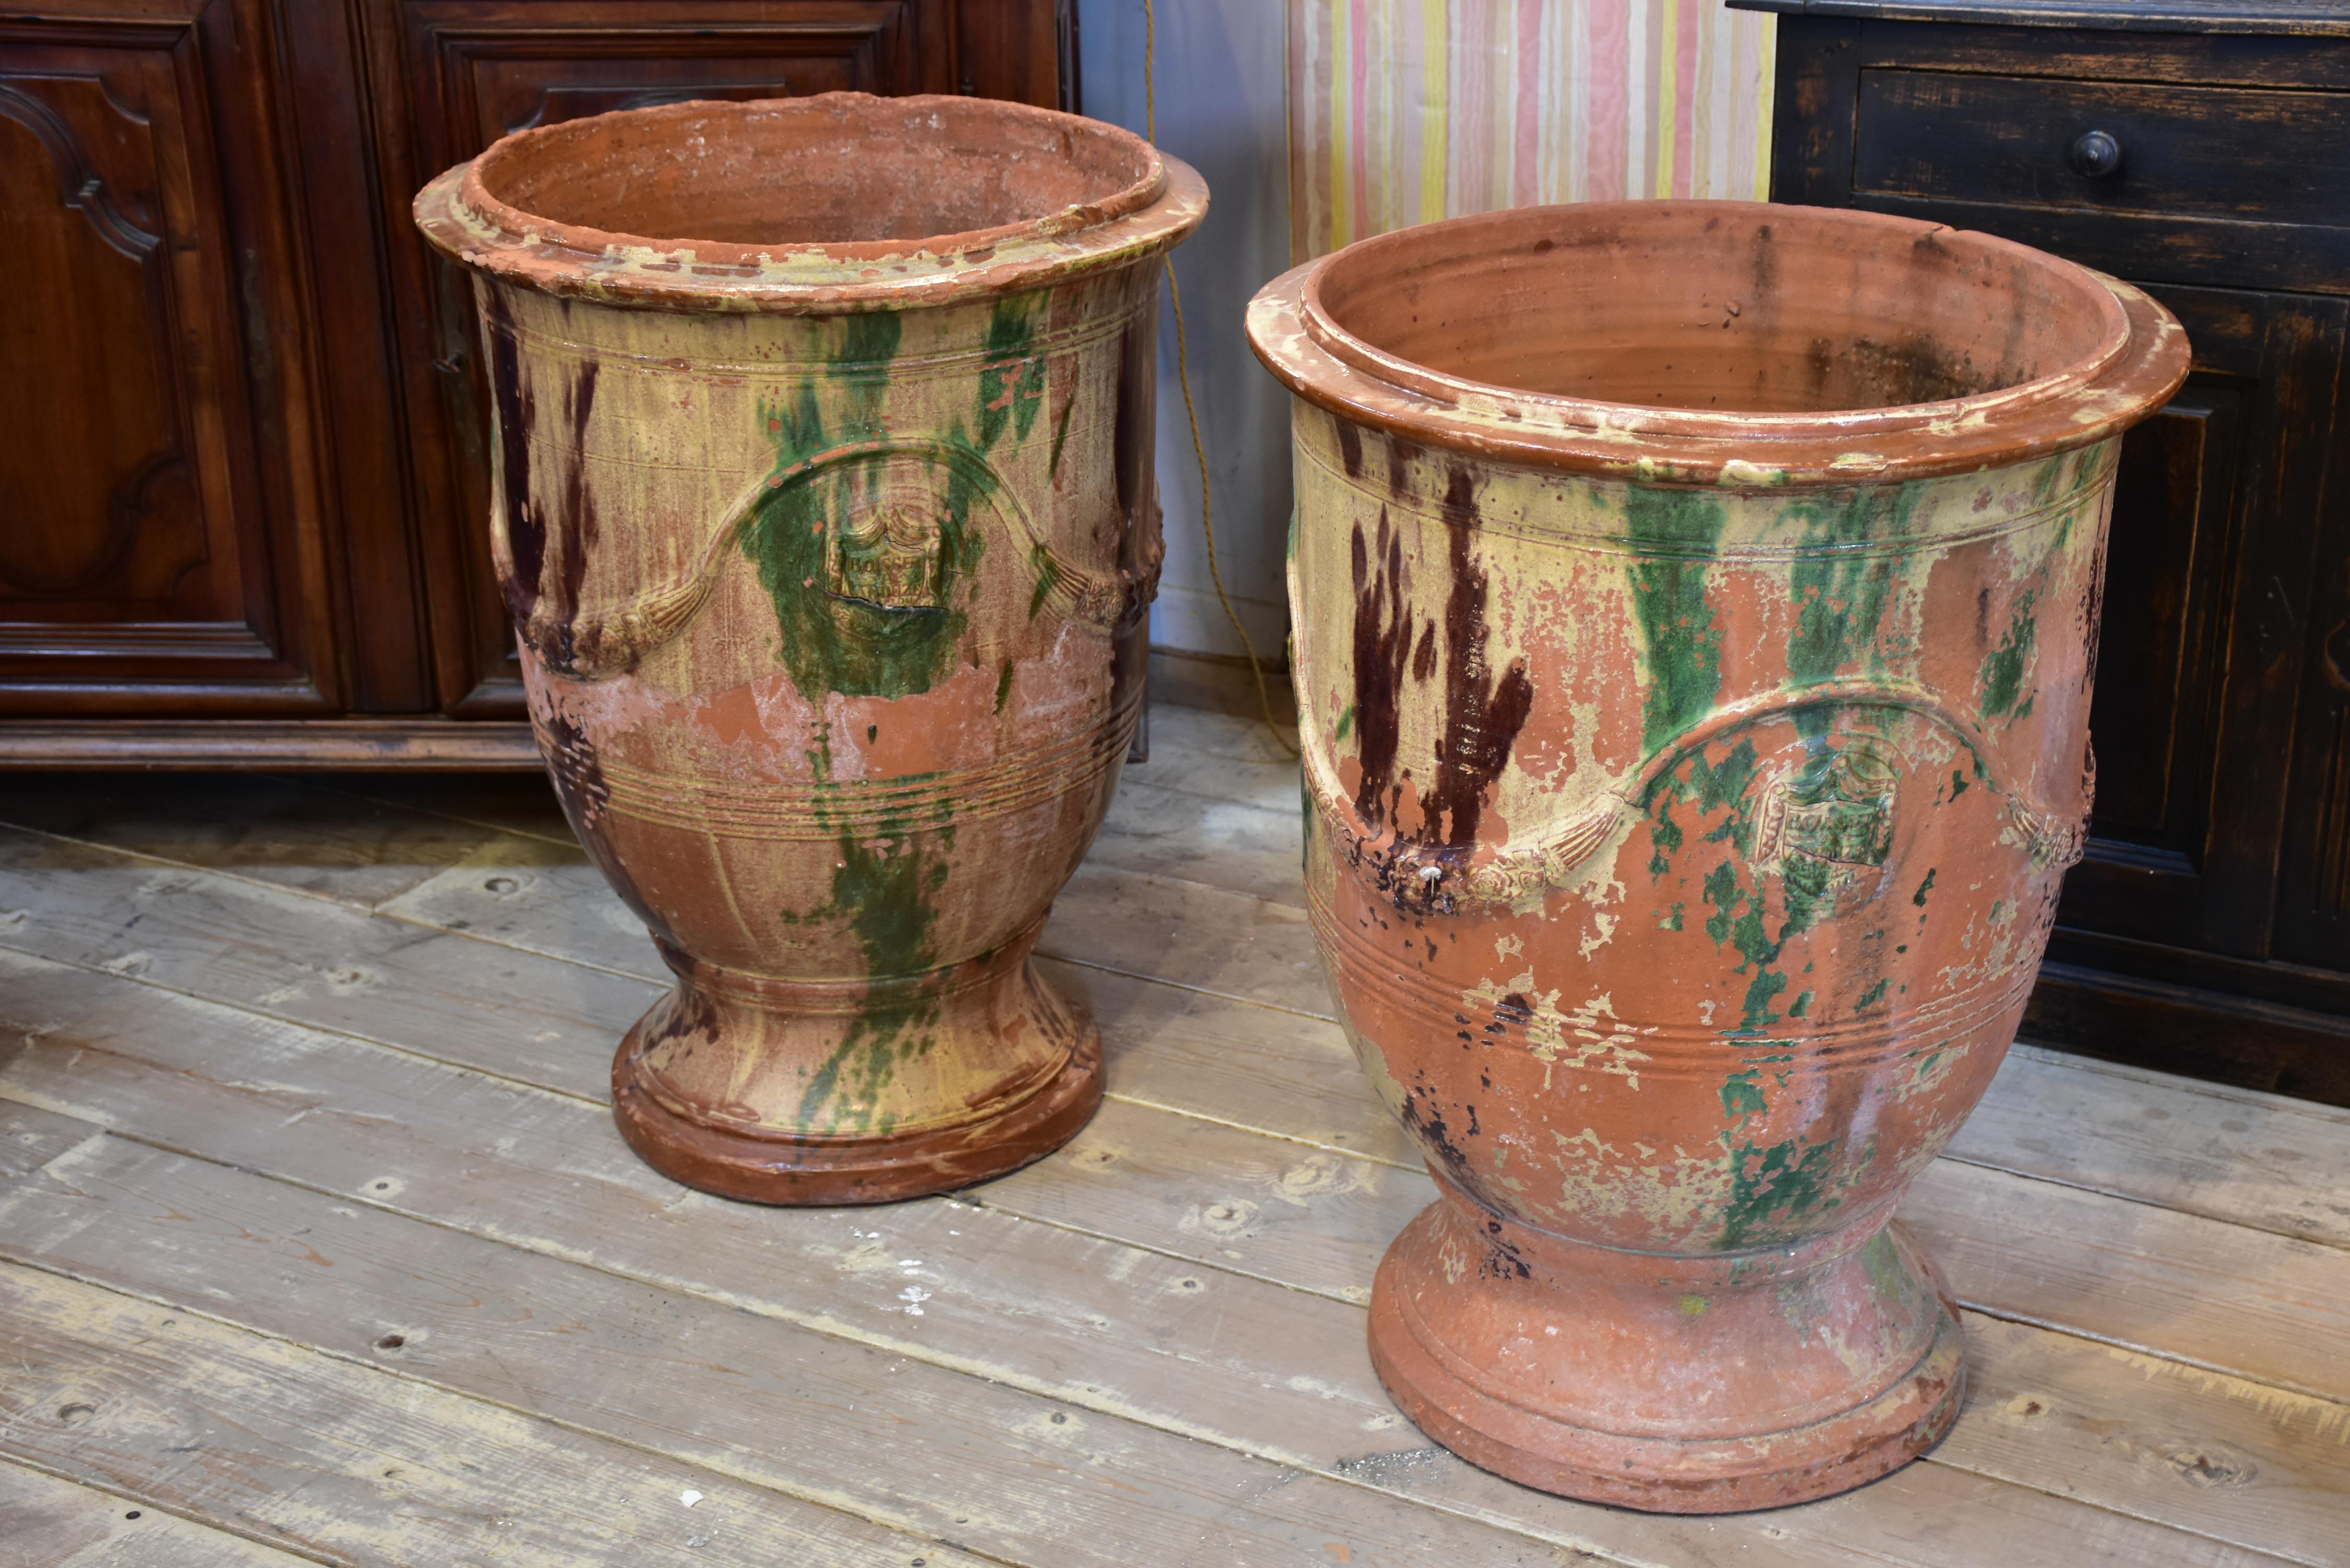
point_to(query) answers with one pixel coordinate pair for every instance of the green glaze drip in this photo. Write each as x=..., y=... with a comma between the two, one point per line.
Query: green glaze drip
x=2002, y=673
x=2045, y=480
x=1725, y=784
x=839, y=642
x=1884, y=1266
x=1048, y=578
x=1787, y=1178
x=1003, y=686
x=1741, y=1095
x=1675, y=532
x=1306, y=826
x=1665, y=834
x=1722, y=892
x=1841, y=587
x=1011, y=387
x=1346, y=725
x=1810, y=891
x=884, y=892
x=1737, y=921
x=870, y=340
x=1843, y=583
x=1738, y=908
x=835, y=643
x=1060, y=437
x=1763, y=990
x=887, y=877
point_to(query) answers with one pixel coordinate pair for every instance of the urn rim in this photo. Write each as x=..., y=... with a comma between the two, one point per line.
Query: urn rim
x=1318, y=328
x=1092, y=195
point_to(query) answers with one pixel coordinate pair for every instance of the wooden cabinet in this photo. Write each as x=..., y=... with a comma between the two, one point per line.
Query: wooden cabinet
x=162, y=530
x=2202, y=150
x=242, y=455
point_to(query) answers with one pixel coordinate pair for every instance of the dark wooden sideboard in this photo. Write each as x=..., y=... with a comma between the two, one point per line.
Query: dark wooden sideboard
x=242, y=468
x=2202, y=150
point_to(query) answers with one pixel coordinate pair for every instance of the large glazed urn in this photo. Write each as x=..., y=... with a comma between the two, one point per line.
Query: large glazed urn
x=1695, y=608
x=824, y=513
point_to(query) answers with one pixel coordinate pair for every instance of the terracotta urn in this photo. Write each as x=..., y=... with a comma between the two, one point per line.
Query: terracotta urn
x=825, y=516
x=1695, y=609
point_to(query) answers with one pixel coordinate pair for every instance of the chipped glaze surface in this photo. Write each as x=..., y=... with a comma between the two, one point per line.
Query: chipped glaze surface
x=831, y=606
x=1682, y=855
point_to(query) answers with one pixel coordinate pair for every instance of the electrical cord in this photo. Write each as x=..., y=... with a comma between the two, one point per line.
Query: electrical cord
x=1183, y=379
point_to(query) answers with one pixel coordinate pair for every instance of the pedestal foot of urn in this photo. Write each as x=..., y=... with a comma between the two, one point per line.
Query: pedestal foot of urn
x=791, y=1092
x=1679, y=1384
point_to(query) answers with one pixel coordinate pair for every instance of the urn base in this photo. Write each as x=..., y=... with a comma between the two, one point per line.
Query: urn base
x=828, y=1092
x=1676, y=1384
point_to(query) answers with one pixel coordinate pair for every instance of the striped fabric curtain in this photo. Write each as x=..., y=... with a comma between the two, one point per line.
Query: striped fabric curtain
x=1404, y=111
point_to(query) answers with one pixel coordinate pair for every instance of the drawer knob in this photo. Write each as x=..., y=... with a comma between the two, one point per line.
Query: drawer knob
x=2095, y=156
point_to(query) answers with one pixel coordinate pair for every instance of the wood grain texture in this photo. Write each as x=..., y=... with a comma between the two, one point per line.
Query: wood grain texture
x=47, y=1523
x=2245, y=154
x=232, y=745
x=506, y=1160
x=1007, y=1473
x=30, y=1138
x=350, y=1465
x=1239, y=846
x=287, y=832
x=2265, y=1307
x=1204, y=1077
x=287, y=955
x=2283, y=1169
x=166, y=546
x=1102, y=1284
x=523, y=803
x=1100, y=1325
x=1228, y=947
x=1175, y=931
x=2262, y=1306
x=2262, y=1160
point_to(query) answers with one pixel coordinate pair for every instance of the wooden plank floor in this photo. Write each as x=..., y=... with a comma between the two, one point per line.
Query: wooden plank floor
x=316, y=1245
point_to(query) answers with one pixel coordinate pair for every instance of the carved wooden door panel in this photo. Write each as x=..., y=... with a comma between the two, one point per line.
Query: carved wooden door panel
x=455, y=75
x=150, y=557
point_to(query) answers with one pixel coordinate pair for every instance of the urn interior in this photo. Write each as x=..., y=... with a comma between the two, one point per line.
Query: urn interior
x=1779, y=318
x=839, y=172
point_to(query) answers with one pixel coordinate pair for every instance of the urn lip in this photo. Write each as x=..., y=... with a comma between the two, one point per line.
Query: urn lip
x=869, y=204
x=1791, y=309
